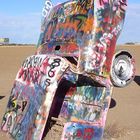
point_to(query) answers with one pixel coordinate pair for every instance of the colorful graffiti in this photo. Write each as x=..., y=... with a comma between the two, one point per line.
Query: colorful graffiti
x=77, y=43
x=22, y=108
x=47, y=8
x=85, y=108
x=86, y=104
x=76, y=131
x=32, y=95
x=93, y=26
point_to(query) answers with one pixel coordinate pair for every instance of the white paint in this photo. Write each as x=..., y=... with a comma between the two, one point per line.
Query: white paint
x=47, y=8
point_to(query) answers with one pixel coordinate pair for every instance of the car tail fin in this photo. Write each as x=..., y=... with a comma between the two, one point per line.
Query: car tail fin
x=48, y=5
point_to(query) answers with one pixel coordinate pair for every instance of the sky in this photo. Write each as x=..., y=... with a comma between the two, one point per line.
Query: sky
x=21, y=20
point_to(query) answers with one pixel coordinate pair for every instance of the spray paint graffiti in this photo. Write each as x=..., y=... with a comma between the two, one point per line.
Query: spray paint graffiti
x=22, y=109
x=34, y=69
x=77, y=40
x=47, y=8
x=81, y=131
x=86, y=107
x=87, y=104
x=93, y=25
x=31, y=69
x=27, y=110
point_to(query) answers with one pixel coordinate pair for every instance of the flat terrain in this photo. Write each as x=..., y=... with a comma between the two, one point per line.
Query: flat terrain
x=123, y=121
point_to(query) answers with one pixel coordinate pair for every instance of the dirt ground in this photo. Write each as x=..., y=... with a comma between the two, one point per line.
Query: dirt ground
x=123, y=120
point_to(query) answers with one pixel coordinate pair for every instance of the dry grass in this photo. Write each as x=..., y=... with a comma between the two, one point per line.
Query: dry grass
x=55, y=132
x=114, y=131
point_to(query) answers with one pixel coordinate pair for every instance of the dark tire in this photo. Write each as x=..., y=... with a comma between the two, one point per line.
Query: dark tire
x=123, y=70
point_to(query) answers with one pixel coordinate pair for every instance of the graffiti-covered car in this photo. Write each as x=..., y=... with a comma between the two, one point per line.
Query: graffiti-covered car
x=87, y=31
x=72, y=73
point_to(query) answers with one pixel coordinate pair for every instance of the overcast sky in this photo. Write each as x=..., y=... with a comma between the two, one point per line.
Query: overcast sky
x=20, y=21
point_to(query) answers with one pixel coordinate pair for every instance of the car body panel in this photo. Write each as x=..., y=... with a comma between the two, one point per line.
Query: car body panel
x=76, y=44
x=85, y=29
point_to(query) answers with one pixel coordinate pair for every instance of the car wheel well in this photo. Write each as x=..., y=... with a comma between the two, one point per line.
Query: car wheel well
x=123, y=53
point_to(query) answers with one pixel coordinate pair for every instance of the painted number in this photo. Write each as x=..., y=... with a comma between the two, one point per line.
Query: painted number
x=87, y=135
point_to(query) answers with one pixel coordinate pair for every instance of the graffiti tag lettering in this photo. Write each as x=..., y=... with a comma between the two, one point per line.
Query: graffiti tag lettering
x=47, y=8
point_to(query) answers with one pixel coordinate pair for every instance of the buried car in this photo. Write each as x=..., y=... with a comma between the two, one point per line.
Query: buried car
x=71, y=76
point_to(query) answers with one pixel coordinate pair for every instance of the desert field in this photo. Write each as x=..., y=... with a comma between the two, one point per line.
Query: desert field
x=123, y=120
